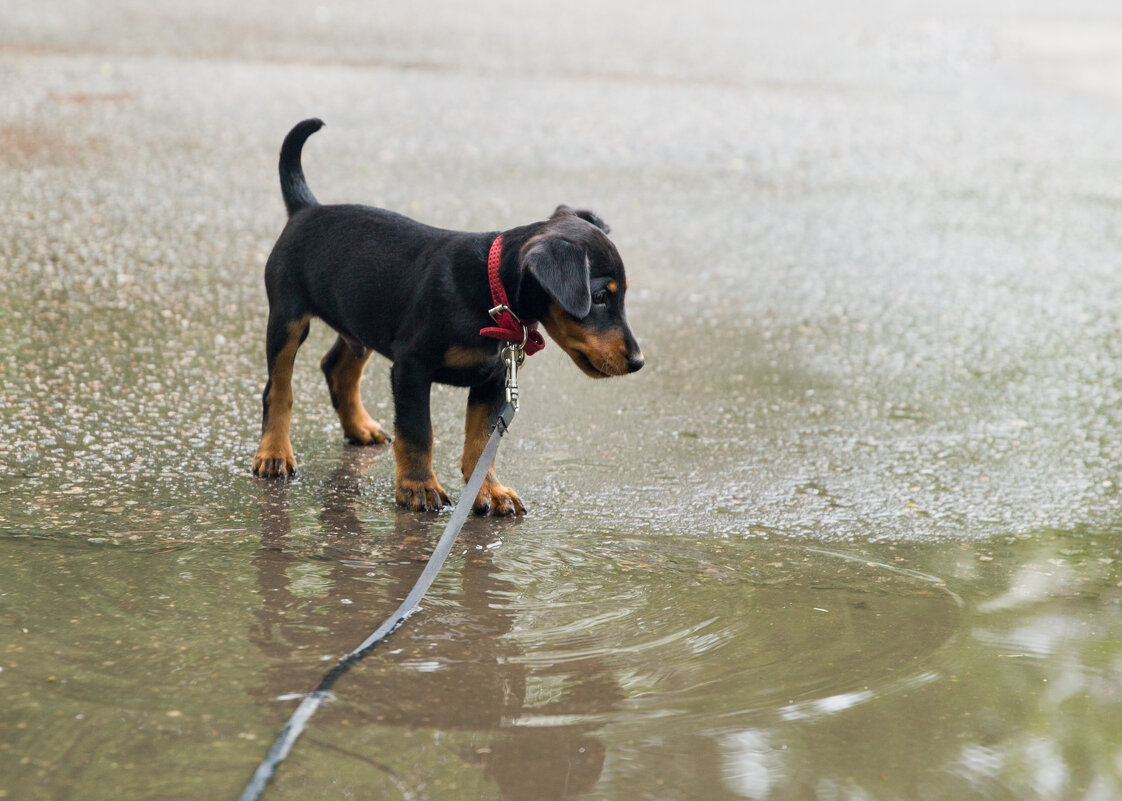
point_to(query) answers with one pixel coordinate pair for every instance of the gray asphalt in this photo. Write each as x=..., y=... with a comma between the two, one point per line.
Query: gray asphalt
x=873, y=253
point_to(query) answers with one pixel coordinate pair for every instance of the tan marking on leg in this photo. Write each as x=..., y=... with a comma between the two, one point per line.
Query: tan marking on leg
x=343, y=382
x=493, y=497
x=275, y=456
x=417, y=487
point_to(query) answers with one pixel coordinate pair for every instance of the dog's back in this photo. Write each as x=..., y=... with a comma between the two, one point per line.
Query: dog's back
x=333, y=260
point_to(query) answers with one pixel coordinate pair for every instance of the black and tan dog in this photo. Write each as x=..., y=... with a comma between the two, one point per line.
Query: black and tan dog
x=420, y=296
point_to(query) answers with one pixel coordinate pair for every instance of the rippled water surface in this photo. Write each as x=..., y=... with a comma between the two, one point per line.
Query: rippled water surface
x=851, y=534
x=551, y=665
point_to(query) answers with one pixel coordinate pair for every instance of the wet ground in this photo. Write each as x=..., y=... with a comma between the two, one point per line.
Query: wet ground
x=853, y=533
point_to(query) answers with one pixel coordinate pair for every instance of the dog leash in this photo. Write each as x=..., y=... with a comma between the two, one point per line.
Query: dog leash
x=311, y=702
x=512, y=356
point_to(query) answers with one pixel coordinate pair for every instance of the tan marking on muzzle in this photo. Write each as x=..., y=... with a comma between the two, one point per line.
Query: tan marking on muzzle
x=599, y=354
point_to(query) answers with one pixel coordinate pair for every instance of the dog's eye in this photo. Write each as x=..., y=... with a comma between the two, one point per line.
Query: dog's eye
x=600, y=297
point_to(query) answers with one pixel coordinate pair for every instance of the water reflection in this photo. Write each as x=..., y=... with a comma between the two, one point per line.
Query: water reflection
x=693, y=681
x=1023, y=705
x=1052, y=633
x=564, y=663
x=453, y=667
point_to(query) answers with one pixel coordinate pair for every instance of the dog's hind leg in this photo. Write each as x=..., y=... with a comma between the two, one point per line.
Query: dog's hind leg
x=342, y=367
x=274, y=454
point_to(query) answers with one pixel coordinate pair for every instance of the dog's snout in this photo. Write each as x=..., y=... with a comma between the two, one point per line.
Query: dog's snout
x=635, y=361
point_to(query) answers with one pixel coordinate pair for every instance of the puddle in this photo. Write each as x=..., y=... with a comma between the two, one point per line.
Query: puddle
x=549, y=664
x=538, y=655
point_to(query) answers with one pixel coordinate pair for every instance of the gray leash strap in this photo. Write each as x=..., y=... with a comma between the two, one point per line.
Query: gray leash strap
x=299, y=719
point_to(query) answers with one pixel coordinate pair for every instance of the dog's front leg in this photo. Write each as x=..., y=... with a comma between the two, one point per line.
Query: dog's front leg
x=417, y=487
x=484, y=402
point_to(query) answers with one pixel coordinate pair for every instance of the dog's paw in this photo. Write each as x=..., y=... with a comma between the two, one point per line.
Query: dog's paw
x=273, y=462
x=422, y=496
x=366, y=432
x=495, y=499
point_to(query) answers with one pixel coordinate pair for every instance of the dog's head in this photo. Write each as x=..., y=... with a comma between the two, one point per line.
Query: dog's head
x=581, y=273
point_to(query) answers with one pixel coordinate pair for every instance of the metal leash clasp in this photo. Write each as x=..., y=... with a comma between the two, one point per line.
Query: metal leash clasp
x=512, y=356
x=511, y=353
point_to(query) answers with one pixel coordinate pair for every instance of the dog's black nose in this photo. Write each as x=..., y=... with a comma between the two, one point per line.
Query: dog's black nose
x=635, y=361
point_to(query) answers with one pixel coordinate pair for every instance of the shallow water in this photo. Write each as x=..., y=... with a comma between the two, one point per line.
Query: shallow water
x=853, y=533
x=550, y=665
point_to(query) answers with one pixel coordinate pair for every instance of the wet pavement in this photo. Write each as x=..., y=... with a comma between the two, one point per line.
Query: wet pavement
x=852, y=533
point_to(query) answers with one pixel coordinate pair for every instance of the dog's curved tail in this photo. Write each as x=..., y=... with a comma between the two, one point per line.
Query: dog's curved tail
x=294, y=188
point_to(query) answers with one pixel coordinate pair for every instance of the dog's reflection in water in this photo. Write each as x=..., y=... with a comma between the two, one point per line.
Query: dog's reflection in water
x=454, y=666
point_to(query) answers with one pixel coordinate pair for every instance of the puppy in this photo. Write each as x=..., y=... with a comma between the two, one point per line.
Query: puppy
x=420, y=297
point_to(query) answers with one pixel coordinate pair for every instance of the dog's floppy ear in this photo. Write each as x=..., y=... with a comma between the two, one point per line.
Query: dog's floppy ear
x=586, y=215
x=561, y=268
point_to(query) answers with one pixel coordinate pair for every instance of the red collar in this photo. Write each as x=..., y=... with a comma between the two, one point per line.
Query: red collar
x=508, y=327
